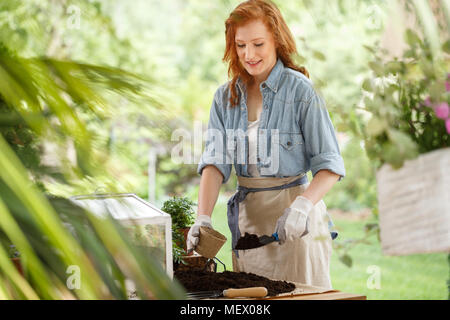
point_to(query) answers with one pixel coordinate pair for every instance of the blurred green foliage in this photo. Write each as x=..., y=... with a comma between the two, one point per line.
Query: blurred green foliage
x=47, y=106
x=404, y=98
x=92, y=89
x=358, y=189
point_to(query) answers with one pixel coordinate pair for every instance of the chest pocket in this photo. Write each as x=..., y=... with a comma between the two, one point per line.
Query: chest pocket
x=290, y=140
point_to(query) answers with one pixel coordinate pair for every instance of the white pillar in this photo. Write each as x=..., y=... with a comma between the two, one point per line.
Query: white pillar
x=152, y=175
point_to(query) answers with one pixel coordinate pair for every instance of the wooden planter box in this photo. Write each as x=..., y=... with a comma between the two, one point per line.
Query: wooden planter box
x=414, y=205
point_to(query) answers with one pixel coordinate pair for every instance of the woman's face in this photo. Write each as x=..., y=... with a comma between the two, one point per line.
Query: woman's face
x=256, y=50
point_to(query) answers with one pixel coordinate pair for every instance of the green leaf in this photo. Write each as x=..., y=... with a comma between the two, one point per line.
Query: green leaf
x=368, y=103
x=412, y=38
x=401, y=148
x=370, y=226
x=437, y=89
x=446, y=47
x=391, y=155
x=377, y=68
x=367, y=85
x=346, y=259
x=376, y=126
x=413, y=72
x=389, y=91
x=319, y=55
x=370, y=49
x=394, y=67
x=427, y=68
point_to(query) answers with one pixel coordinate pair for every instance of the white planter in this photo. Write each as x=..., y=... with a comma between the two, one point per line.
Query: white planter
x=414, y=205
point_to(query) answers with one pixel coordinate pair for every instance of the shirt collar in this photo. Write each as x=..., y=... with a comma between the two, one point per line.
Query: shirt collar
x=272, y=80
x=274, y=77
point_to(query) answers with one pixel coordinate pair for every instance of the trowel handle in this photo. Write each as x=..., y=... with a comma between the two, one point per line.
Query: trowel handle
x=275, y=235
x=254, y=292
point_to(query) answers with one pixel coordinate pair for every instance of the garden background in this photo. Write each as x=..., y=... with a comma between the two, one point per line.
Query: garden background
x=93, y=91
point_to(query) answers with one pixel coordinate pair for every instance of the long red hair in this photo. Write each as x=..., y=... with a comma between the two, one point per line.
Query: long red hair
x=271, y=16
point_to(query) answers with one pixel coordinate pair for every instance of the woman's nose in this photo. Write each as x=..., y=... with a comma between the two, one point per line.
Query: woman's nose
x=249, y=53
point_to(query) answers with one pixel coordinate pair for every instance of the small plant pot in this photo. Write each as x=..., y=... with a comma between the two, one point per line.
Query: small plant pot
x=210, y=242
x=185, y=232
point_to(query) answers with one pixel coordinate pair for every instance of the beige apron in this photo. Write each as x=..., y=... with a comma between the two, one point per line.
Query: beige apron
x=305, y=260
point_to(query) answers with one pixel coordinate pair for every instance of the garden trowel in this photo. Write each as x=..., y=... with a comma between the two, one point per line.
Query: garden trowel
x=265, y=239
x=253, y=292
x=252, y=241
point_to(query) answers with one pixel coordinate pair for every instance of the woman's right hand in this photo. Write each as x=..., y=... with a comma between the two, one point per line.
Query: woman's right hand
x=294, y=223
x=202, y=220
x=210, y=183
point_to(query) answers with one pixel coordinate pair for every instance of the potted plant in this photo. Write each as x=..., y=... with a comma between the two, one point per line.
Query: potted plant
x=406, y=132
x=182, y=213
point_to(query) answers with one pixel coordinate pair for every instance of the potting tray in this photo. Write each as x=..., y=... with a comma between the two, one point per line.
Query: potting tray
x=201, y=280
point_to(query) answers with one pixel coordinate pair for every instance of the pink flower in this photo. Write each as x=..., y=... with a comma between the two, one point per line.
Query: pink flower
x=447, y=125
x=442, y=110
x=427, y=102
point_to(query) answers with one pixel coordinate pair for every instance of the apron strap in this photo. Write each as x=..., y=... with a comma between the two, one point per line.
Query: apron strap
x=239, y=196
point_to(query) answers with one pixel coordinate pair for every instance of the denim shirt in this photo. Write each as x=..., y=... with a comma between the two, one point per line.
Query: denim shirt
x=295, y=132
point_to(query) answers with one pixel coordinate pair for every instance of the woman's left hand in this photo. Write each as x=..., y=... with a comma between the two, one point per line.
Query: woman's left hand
x=293, y=224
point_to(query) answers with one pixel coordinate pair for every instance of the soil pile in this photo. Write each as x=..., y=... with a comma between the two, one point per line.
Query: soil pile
x=248, y=241
x=197, y=280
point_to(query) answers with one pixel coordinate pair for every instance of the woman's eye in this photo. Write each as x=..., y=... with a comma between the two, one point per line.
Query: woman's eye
x=256, y=45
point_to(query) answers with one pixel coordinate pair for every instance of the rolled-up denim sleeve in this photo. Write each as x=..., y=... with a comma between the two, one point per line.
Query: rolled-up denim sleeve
x=321, y=145
x=215, y=152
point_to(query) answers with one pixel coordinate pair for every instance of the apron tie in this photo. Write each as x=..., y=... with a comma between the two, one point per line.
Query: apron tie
x=239, y=196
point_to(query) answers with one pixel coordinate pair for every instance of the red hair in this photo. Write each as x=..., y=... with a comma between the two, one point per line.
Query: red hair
x=271, y=16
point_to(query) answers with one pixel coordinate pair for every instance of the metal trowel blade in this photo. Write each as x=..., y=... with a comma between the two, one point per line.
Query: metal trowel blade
x=263, y=240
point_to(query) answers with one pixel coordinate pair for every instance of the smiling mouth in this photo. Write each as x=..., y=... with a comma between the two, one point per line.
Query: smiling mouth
x=252, y=64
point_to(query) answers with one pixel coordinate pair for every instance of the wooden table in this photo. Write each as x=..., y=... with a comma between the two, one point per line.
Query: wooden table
x=329, y=295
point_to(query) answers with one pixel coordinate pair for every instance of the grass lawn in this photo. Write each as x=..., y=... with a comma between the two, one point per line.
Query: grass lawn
x=421, y=276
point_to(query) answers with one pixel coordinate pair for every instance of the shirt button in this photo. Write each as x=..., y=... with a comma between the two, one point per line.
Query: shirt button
x=263, y=85
x=289, y=143
x=259, y=159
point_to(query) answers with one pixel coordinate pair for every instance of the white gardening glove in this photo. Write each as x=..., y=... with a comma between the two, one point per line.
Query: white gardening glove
x=293, y=224
x=202, y=220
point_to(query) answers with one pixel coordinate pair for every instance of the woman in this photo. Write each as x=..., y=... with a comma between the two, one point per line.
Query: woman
x=287, y=132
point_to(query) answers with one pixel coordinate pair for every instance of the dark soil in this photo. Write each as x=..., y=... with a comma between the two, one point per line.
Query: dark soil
x=248, y=241
x=196, y=280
